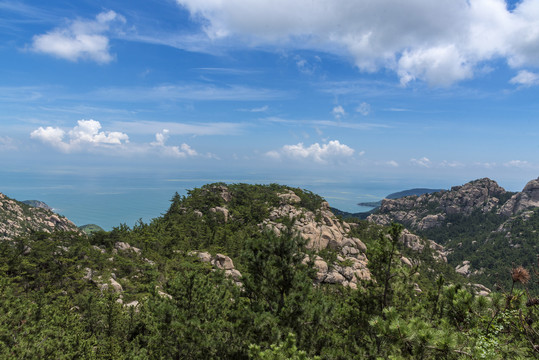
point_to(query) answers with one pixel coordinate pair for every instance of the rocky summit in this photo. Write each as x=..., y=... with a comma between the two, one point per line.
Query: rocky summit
x=17, y=219
x=430, y=210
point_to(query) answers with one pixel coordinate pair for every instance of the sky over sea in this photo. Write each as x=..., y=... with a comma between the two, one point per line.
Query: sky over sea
x=107, y=108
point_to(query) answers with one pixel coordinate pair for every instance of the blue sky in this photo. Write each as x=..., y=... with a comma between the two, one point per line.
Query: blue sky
x=424, y=93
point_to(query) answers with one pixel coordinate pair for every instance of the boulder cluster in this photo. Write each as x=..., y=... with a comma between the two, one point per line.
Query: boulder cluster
x=323, y=230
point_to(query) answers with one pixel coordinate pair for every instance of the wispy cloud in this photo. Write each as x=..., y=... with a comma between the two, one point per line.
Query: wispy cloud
x=200, y=92
x=7, y=143
x=364, y=109
x=227, y=71
x=327, y=123
x=177, y=128
x=338, y=112
x=517, y=163
x=423, y=162
x=256, y=109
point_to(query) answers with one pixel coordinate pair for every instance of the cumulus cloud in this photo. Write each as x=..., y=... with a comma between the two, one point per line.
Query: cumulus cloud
x=424, y=162
x=364, y=109
x=81, y=39
x=525, y=78
x=86, y=134
x=338, y=112
x=440, y=42
x=332, y=151
x=392, y=163
x=174, y=151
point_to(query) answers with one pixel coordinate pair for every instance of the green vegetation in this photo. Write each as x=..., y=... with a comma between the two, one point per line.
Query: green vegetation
x=90, y=228
x=54, y=302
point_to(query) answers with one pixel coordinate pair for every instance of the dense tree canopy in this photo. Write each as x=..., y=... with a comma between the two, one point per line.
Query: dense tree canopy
x=60, y=296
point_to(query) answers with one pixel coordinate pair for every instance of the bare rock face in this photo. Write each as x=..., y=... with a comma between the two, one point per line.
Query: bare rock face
x=415, y=243
x=464, y=268
x=429, y=210
x=220, y=210
x=220, y=262
x=17, y=219
x=529, y=197
x=223, y=262
x=323, y=230
x=122, y=246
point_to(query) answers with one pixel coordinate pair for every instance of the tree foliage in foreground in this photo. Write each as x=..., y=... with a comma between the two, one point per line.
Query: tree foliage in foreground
x=50, y=308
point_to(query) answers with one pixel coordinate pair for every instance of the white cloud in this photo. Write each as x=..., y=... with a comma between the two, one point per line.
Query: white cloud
x=85, y=135
x=392, y=163
x=525, y=78
x=174, y=151
x=451, y=164
x=487, y=165
x=364, y=109
x=338, y=112
x=440, y=42
x=424, y=162
x=517, y=163
x=81, y=39
x=332, y=151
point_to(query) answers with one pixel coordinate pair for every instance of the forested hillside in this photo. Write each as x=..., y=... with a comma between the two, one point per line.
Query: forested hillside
x=486, y=230
x=253, y=272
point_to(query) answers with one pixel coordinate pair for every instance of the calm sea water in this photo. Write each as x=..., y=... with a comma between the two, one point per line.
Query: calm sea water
x=125, y=198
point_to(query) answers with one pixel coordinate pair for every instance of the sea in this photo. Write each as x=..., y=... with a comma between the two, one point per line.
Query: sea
x=127, y=198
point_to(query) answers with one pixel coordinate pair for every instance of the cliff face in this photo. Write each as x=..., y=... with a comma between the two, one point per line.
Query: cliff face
x=528, y=198
x=323, y=230
x=430, y=210
x=17, y=218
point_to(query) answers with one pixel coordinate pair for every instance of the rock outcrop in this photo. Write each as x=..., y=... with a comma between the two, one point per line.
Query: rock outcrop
x=430, y=210
x=323, y=230
x=528, y=198
x=220, y=262
x=417, y=244
x=17, y=218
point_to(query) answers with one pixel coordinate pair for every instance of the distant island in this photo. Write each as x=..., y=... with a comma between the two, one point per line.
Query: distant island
x=400, y=194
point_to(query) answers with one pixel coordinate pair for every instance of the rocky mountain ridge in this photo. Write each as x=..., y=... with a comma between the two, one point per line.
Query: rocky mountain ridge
x=430, y=210
x=322, y=230
x=484, y=228
x=17, y=219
